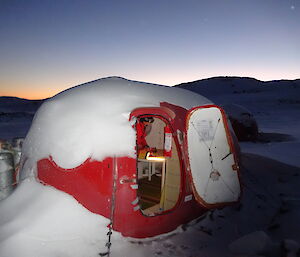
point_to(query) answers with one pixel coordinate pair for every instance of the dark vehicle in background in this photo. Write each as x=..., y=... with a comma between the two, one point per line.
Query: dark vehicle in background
x=242, y=121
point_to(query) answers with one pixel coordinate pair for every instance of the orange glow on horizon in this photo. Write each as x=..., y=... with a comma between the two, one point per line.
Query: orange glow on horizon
x=32, y=92
x=29, y=94
x=35, y=92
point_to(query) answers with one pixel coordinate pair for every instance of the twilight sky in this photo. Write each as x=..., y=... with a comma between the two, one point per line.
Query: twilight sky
x=47, y=46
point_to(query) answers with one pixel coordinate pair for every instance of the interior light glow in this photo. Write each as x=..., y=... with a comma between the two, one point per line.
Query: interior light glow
x=154, y=158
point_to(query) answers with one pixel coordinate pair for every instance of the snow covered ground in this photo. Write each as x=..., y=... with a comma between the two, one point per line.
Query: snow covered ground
x=37, y=220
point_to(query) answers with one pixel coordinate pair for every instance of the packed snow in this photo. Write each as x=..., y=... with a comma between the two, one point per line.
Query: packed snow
x=38, y=220
x=91, y=120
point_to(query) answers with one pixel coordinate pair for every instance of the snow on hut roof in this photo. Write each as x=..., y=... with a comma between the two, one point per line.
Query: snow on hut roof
x=91, y=120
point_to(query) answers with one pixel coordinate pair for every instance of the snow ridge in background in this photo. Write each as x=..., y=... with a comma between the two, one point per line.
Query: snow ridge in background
x=91, y=120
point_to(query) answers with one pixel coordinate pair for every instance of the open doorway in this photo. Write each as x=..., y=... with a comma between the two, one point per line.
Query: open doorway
x=158, y=166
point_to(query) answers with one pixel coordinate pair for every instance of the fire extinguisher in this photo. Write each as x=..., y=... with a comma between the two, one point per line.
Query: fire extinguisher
x=168, y=142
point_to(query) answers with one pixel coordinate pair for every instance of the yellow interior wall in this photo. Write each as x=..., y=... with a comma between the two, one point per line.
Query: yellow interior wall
x=172, y=180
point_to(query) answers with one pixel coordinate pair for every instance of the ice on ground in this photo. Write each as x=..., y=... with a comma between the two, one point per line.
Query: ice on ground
x=257, y=242
x=285, y=152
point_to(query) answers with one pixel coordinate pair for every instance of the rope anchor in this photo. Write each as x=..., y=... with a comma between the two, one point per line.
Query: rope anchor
x=214, y=175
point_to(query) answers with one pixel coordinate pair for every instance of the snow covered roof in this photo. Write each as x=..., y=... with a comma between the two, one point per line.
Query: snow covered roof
x=91, y=120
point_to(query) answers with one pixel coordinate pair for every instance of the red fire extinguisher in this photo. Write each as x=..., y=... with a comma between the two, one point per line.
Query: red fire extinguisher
x=168, y=142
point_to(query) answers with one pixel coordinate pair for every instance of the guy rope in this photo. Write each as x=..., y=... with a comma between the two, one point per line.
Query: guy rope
x=112, y=208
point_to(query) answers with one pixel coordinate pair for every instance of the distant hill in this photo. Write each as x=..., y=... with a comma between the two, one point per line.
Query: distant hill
x=246, y=91
x=14, y=104
x=237, y=85
x=16, y=115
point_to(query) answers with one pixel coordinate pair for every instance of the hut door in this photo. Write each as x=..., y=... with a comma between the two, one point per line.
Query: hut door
x=158, y=169
x=213, y=167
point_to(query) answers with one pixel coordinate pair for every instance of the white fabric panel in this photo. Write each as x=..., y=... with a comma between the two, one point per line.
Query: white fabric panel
x=210, y=157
